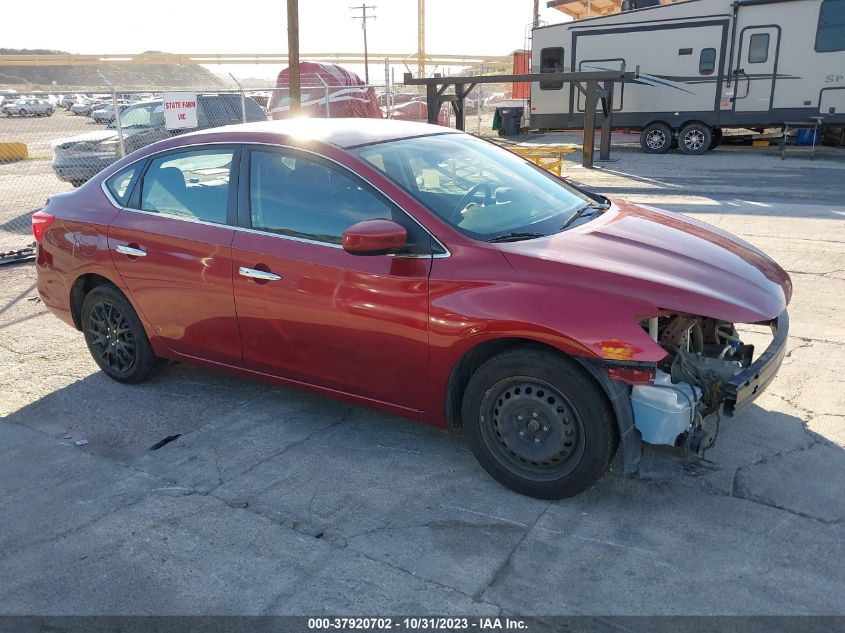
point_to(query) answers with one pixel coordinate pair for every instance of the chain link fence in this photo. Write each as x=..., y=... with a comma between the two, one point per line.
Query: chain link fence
x=53, y=142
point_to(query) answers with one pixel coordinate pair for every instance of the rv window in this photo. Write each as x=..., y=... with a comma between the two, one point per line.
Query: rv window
x=551, y=61
x=707, y=61
x=830, y=36
x=758, y=48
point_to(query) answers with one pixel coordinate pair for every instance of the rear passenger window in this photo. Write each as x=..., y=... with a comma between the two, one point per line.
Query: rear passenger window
x=707, y=61
x=551, y=61
x=758, y=48
x=193, y=185
x=119, y=184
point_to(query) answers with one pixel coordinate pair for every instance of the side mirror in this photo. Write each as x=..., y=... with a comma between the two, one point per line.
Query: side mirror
x=374, y=237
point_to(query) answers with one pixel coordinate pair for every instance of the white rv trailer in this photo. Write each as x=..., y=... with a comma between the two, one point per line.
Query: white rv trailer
x=704, y=65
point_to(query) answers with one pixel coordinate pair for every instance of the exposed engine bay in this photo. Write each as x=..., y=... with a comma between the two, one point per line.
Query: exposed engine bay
x=683, y=404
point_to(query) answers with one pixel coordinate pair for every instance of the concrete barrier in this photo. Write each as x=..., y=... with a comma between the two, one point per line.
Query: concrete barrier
x=13, y=151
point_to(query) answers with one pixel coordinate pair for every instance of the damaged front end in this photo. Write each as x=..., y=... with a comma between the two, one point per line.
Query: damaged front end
x=708, y=370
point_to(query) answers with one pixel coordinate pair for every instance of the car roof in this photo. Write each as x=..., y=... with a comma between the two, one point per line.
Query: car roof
x=344, y=133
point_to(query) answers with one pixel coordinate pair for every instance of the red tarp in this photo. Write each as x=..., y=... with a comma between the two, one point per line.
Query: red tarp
x=348, y=96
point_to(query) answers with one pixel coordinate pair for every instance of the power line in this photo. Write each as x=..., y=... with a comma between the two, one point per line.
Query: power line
x=364, y=17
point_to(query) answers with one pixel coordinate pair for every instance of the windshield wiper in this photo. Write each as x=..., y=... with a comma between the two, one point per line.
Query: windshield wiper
x=515, y=237
x=592, y=207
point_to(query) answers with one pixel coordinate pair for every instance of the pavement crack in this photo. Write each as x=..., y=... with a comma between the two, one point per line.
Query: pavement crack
x=505, y=568
x=322, y=429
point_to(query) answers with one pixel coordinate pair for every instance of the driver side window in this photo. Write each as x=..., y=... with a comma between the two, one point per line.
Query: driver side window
x=298, y=197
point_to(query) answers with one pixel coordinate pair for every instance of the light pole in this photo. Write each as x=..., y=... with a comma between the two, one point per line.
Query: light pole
x=364, y=17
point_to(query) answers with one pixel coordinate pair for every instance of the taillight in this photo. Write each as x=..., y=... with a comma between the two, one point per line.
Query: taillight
x=632, y=375
x=40, y=221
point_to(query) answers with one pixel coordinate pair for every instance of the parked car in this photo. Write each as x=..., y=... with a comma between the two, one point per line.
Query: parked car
x=105, y=113
x=28, y=107
x=66, y=101
x=78, y=158
x=84, y=108
x=421, y=271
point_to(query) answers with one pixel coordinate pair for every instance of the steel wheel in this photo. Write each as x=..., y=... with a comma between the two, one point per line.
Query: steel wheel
x=532, y=429
x=112, y=339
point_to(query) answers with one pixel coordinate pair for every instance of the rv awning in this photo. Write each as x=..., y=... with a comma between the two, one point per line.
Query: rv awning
x=578, y=9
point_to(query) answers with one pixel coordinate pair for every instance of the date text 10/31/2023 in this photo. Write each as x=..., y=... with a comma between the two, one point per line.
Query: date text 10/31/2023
x=417, y=623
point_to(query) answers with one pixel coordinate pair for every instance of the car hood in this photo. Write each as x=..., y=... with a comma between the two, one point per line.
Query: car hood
x=98, y=136
x=666, y=260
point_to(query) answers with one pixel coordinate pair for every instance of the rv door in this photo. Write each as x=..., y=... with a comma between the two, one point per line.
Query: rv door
x=756, y=68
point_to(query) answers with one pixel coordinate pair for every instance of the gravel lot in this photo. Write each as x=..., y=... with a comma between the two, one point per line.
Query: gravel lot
x=275, y=502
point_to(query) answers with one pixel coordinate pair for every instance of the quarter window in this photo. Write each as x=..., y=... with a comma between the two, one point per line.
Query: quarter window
x=194, y=185
x=551, y=61
x=118, y=185
x=707, y=61
x=758, y=48
x=830, y=34
x=294, y=196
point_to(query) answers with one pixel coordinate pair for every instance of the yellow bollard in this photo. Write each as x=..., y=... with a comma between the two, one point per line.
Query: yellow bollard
x=13, y=151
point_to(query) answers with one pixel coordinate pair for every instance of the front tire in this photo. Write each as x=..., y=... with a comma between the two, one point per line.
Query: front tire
x=695, y=139
x=656, y=138
x=115, y=336
x=538, y=423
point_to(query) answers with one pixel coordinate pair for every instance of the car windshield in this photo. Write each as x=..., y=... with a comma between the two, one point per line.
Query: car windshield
x=141, y=115
x=484, y=191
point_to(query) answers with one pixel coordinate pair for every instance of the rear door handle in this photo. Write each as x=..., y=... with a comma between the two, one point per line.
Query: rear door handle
x=263, y=275
x=129, y=250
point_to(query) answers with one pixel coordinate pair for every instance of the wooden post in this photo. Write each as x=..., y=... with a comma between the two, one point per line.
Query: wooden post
x=607, y=114
x=591, y=97
x=432, y=103
x=294, y=90
x=459, y=107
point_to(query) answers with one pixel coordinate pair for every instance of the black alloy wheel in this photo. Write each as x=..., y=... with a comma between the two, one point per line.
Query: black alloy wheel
x=116, y=337
x=112, y=340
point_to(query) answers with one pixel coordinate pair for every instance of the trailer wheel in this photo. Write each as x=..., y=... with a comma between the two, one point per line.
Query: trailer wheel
x=717, y=138
x=656, y=138
x=695, y=138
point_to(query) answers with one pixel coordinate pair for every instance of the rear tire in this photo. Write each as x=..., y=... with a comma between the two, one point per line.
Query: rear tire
x=538, y=423
x=115, y=336
x=656, y=138
x=695, y=139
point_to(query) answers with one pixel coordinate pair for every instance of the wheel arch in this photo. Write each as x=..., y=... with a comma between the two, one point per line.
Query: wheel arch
x=81, y=287
x=617, y=393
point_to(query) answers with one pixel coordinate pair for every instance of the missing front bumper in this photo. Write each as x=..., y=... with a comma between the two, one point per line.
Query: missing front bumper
x=744, y=388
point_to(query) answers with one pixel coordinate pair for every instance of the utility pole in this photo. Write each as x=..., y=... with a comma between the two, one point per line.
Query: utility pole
x=421, y=38
x=536, y=21
x=293, y=56
x=364, y=17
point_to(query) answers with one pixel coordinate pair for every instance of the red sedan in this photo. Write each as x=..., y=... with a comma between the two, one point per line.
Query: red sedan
x=421, y=271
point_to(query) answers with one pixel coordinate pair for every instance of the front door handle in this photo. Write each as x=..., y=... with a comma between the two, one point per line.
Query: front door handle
x=263, y=275
x=129, y=250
